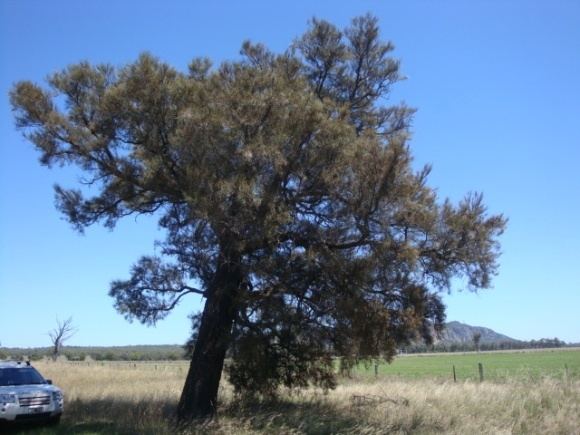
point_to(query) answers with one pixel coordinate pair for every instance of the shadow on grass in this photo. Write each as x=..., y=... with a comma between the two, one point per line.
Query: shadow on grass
x=126, y=417
x=61, y=429
x=104, y=416
x=281, y=416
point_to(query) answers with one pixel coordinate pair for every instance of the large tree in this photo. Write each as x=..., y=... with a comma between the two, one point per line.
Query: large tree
x=285, y=185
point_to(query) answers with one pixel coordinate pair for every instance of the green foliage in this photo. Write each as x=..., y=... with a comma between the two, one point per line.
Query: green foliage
x=476, y=340
x=262, y=363
x=286, y=190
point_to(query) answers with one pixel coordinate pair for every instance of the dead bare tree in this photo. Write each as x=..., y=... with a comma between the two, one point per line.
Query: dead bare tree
x=63, y=331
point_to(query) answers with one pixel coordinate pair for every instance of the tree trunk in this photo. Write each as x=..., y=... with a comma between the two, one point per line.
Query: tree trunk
x=199, y=396
x=55, y=351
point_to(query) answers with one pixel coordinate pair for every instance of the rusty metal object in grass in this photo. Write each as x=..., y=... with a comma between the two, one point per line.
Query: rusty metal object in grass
x=374, y=399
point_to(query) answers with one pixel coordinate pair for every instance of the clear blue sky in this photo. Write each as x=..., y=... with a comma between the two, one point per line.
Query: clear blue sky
x=497, y=85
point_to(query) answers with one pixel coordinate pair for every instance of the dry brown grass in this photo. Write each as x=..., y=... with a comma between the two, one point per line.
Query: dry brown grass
x=141, y=400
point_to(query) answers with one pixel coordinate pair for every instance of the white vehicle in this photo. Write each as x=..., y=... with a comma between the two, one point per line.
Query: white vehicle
x=26, y=395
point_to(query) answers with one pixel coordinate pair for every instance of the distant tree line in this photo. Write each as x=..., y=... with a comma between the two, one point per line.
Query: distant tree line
x=176, y=352
x=125, y=353
x=470, y=346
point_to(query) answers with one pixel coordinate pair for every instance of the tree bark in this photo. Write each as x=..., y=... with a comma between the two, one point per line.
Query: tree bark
x=199, y=395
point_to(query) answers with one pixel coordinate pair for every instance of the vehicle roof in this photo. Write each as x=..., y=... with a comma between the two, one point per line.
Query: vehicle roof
x=14, y=364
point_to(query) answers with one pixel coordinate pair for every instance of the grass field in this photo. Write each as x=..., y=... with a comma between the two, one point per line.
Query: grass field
x=497, y=366
x=413, y=395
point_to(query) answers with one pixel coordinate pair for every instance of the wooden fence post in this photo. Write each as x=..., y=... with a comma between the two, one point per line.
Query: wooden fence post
x=480, y=372
x=376, y=370
x=454, y=375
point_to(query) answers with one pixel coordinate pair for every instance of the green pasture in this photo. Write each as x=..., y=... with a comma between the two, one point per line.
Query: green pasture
x=496, y=365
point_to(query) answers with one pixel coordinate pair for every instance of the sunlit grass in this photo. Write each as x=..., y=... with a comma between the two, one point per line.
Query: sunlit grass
x=141, y=399
x=497, y=366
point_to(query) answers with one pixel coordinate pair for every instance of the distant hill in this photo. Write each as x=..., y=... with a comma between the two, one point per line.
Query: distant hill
x=456, y=332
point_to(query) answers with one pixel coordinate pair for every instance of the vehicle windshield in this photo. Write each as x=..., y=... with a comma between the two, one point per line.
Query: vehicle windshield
x=20, y=376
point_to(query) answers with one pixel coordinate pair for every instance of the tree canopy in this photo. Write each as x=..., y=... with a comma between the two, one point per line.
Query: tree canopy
x=285, y=185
